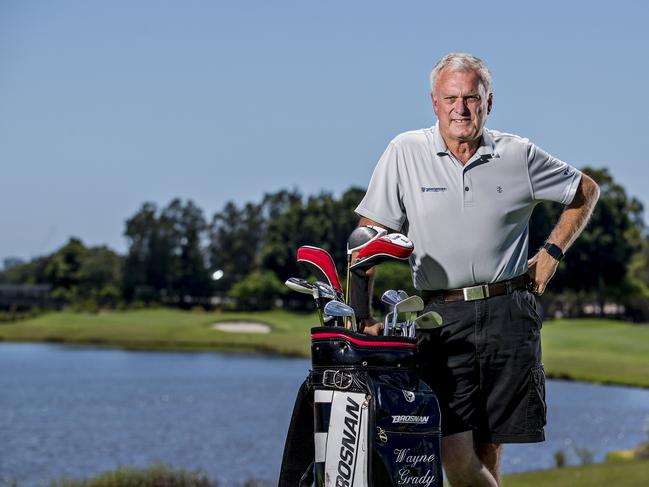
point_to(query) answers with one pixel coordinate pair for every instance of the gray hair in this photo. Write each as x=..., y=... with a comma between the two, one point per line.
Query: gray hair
x=462, y=62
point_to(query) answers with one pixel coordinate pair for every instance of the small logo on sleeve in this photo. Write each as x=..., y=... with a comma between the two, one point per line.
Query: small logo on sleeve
x=433, y=189
x=499, y=189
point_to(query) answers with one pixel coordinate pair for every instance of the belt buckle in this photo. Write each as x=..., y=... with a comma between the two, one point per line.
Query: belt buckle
x=340, y=379
x=475, y=292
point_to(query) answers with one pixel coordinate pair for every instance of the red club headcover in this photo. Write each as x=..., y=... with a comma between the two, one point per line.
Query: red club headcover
x=321, y=263
x=389, y=247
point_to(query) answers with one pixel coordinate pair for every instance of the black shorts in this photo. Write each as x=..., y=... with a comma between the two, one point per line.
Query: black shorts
x=484, y=363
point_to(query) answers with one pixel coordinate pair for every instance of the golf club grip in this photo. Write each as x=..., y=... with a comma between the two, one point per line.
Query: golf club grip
x=359, y=294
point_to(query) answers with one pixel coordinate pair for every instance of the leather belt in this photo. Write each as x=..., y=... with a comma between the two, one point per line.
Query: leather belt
x=481, y=291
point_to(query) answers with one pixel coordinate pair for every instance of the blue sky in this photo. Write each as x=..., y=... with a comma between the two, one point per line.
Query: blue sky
x=106, y=105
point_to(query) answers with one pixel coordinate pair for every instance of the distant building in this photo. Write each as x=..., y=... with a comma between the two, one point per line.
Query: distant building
x=10, y=262
x=25, y=296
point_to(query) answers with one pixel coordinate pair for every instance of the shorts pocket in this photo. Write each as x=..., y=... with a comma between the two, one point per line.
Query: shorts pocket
x=528, y=301
x=536, y=406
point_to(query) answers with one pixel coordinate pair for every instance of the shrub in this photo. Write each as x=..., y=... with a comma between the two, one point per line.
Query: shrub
x=585, y=455
x=154, y=476
x=258, y=291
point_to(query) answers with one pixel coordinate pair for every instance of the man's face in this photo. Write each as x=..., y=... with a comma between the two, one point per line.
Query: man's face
x=461, y=105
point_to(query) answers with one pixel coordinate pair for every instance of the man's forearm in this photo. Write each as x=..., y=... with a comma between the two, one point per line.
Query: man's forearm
x=573, y=220
x=575, y=216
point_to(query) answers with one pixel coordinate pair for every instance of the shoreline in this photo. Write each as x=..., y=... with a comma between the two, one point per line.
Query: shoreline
x=253, y=349
x=602, y=352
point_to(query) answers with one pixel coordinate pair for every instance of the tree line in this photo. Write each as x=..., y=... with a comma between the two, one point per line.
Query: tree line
x=240, y=257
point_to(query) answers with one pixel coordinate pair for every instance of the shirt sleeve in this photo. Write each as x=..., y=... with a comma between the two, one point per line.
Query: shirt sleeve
x=382, y=201
x=550, y=178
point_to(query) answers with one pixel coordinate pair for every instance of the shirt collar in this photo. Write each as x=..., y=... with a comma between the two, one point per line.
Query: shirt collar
x=486, y=148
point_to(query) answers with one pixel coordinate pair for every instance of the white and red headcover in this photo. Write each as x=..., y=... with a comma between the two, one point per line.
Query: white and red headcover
x=389, y=247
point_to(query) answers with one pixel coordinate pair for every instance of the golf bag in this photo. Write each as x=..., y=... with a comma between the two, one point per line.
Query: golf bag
x=363, y=418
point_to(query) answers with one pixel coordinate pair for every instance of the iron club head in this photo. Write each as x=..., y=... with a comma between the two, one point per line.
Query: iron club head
x=390, y=297
x=340, y=309
x=428, y=320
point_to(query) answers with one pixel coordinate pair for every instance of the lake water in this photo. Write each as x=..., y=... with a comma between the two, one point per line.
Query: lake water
x=78, y=411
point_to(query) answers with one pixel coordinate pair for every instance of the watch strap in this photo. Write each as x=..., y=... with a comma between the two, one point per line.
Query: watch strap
x=554, y=250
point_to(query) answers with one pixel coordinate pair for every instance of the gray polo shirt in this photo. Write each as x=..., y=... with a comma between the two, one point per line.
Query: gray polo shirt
x=469, y=223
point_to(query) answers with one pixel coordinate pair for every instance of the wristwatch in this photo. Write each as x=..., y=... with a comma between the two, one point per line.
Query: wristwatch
x=554, y=251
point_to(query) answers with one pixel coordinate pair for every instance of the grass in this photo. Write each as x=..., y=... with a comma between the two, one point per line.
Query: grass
x=604, y=351
x=592, y=350
x=627, y=474
x=166, y=329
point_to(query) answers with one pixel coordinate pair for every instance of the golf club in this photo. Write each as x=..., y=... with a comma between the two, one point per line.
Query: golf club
x=386, y=324
x=403, y=295
x=409, y=305
x=326, y=291
x=426, y=321
x=389, y=297
x=339, y=309
x=299, y=285
x=305, y=287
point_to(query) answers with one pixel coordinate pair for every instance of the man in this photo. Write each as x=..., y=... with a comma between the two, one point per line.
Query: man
x=464, y=195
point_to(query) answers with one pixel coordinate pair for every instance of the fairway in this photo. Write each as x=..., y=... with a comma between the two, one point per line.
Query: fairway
x=604, y=351
x=631, y=474
x=167, y=329
x=592, y=350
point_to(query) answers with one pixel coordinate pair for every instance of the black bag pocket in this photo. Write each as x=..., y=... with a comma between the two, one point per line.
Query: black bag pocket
x=406, y=446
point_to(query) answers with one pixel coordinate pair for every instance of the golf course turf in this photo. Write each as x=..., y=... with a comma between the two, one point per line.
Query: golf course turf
x=593, y=350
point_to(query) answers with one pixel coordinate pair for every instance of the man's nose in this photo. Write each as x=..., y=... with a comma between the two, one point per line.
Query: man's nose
x=460, y=105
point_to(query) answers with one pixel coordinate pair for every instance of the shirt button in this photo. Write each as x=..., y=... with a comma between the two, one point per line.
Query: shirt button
x=466, y=188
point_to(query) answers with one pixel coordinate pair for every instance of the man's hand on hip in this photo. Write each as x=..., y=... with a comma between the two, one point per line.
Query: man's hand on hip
x=541, y=268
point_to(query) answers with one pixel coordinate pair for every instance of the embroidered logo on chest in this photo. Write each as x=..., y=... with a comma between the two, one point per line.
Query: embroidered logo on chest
x=433, y=189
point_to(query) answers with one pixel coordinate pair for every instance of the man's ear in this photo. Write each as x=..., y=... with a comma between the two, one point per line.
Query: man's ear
x=434, y=101
x=490, y=103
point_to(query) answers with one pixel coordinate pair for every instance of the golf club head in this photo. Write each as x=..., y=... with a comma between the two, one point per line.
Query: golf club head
x=325, y=291
x=299, y=285
x=305, y=287
x=393, y=246
x=363, y=235
x=390, y=297
x=402, y=294
x=321, y=264
x=411, y=304
x=428, y=320
x=338, y=308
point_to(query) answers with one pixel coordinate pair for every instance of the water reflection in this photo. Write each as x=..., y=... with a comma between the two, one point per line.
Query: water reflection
x=73, y=411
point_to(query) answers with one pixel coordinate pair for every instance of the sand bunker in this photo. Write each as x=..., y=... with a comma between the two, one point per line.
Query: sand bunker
x=241, y=327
